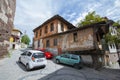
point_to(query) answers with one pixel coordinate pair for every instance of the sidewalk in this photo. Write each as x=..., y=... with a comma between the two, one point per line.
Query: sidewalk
x=113, y=66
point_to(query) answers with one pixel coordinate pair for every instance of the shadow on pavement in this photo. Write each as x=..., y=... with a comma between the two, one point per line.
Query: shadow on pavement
x=54, y=60
x=68, y=73
x=64, y=73
x=22, y=66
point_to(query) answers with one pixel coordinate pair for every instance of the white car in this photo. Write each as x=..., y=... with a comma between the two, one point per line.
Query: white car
x=32, y=59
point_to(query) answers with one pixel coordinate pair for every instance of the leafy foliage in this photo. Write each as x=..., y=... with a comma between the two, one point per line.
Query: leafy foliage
x=116, y=23
x=92, y=17
x=25, y=39
x=111, y=38
x=114, y=38
x=118, y=32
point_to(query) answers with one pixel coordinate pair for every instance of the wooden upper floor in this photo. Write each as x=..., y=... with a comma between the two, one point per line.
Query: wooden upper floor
x=54, y=25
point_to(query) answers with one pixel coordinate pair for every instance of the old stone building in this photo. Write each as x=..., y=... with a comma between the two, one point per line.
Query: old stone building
x=114, y=49
x=15, y=39
x=54, y=25
x=7, y=13
x=61, y=37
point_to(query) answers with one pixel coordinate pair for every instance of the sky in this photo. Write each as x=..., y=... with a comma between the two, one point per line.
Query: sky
x=32, y=13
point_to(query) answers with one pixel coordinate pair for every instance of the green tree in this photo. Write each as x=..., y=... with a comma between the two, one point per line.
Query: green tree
x=25, y=39
x=90, y=18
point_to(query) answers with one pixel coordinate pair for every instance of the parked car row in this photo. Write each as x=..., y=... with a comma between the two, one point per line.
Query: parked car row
x=35, y=58
x=32, y=59
x=47, y=53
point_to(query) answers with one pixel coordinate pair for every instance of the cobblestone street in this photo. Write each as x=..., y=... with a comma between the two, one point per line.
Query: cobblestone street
x=10, y=69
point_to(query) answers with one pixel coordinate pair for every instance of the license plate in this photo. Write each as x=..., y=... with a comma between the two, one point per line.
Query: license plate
x=40, y=60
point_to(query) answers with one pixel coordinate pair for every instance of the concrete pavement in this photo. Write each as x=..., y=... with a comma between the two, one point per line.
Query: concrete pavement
x=10, y=69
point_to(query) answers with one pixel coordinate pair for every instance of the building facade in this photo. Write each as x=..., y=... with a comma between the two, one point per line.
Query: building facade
x=86, y=41
x=15, y=39
x=113, y=54
x=7, y=13
x=54, y=25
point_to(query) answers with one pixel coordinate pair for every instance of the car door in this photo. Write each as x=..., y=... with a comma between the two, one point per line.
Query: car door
x=65, y=59
x=74, y=59
x=28, y=57
x=23, y=57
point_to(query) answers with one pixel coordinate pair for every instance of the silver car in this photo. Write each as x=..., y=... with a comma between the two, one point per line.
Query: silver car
x=32, y=59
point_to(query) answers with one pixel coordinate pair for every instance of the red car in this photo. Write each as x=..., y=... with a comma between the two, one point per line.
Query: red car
x=48, y=54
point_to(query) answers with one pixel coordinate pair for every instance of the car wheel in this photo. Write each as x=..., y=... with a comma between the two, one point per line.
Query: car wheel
x=57, y=61
x=44, y=66
x=27, y=67
x=76, y=66
x=19, y=60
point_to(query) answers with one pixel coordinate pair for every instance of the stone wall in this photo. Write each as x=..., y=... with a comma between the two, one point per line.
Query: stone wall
x=84, y=40
x=66, y=41
x=7, y=13
x=3, y=51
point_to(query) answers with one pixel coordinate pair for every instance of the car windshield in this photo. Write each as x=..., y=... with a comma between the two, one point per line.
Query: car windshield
x=38, y=55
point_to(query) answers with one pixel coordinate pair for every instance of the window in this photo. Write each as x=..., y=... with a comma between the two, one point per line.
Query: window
x=36, y=34
x=65, y=56
x=75, y=37
x=0, y=35
x=114, y=32
x=97, y=37
x=23, y=54
x=46, y=29
x=112, y=46
x=47, y=43
x=51, y=27
x=74, y=57
x=38, y=55
x=29, y=54
x=40, y=32
x=62, y=27
x=55, y=42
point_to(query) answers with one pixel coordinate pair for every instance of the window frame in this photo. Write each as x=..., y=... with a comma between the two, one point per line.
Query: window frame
x=62, y=26
x=36, y=34
x=46, y=29
x=38, y=43
x=75, y=37
x=29, y=54
x=24, y=53
x=47, y=43
x=55, y=42
x=65, y=56
x=40, y=32
x=52, y=27
x=74, y=57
